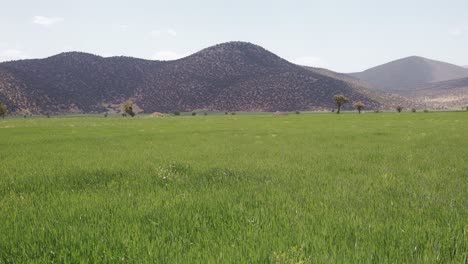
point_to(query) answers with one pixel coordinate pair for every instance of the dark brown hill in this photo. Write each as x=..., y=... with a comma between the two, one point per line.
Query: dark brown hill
x=232, y=76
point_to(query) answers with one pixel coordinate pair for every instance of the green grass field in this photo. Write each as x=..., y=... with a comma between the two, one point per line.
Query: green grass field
x=372, y=188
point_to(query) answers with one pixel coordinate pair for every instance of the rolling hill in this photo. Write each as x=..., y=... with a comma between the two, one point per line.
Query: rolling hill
x=234, y=76
x=410, y=73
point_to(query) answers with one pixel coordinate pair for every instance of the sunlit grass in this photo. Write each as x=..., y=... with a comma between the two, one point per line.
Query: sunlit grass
x=315, y=188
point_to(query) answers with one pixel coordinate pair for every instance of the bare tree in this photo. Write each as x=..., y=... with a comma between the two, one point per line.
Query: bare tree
x=340, y=100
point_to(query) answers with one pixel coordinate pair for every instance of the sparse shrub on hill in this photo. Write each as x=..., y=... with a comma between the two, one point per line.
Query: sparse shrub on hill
x=297, y=112
x=177, y=113
x=377, y=111
x=128, y=108
x=233, y=113
x=48, y=115
x=399, y=109
x=3, y=110
x=226, y=113
x=340, y=100
x=194, y=114
x=124, y=115
x=426, y=111
x=359, y=106
x=205, y=113
x=106, y=114
x=413, y=110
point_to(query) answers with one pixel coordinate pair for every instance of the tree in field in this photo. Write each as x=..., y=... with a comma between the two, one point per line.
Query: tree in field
x=3, y=110
x=340, y=100
x=127, y=108
x=359, y=106
x=399, y=109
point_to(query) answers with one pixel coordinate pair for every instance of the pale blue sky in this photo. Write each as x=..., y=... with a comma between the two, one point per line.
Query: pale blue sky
x=340, y=35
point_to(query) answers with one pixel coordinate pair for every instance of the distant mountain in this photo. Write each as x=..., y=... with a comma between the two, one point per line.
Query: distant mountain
x=410, y=73
x=232, y=76
x=391, y=100
x=465, y=66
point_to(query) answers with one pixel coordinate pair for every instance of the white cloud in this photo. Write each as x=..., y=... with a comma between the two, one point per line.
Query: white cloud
x=168, y=55
x=163, y=32
x=46, y=21
x=124, y=27
x=456, y=32
x=12, y=54
x=309, y=61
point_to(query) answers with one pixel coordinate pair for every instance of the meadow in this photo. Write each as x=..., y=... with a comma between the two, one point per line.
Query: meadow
x=307, y=188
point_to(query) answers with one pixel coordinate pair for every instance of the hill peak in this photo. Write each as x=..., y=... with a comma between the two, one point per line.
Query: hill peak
x=74, y=55
x=411, y=72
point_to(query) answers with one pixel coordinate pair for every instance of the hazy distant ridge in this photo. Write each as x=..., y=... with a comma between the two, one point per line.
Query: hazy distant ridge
x=411, y=72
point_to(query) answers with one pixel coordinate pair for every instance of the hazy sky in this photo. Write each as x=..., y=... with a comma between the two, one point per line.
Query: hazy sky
x=340, y=35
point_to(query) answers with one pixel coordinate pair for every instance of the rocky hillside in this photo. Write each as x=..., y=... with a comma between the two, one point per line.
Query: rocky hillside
x=232, y=76
x=451, y=93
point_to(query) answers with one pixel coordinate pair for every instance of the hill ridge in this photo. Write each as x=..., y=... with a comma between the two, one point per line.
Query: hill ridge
x=231, y=76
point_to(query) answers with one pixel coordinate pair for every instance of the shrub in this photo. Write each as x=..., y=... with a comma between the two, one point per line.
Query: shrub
x=399, y=109
x=377, y=111
x=297, y=112
x=3, y=110
x=426, y=111
x=205, y=113
x=413, y=110
x=233, y=113
x=127, y=107
x=106, y=114
x=194, y=114
x=177, y=113
x=226, y=113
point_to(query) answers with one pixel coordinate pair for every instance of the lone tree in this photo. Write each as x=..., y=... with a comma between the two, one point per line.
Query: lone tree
x=3, y=110
x=399, y=109
x=359, y=106
x=340, y=100
x=128, y=108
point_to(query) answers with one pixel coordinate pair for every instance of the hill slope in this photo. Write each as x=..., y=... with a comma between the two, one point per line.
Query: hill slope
x=390, y=100
x=442, y=94
x=410, y=73
x=231, y=76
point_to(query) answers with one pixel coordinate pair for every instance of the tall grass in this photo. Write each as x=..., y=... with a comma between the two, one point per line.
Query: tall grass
x=212, y=189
